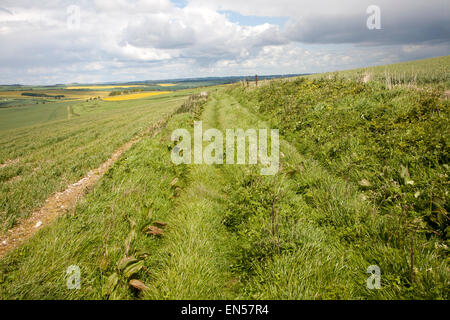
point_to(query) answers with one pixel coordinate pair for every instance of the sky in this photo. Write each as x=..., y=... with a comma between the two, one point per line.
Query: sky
x=68, y=41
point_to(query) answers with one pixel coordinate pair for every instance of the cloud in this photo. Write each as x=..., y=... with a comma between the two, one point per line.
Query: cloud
x=409, y=24
x=150, y=39
x=344, y=21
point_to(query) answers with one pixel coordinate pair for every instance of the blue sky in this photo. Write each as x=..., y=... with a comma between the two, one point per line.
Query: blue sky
x=243, y=20
x=89, y=41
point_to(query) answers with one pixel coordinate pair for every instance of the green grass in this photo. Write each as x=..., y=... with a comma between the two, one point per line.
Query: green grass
x=346, y=132
x=31, y=114
x=193, y=262
x=434, y=72
x=392, y=144
x=54, y=154
x=106, y=226
x=219, y=242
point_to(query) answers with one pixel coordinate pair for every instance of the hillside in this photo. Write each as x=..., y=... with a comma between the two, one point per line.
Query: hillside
x=433, y=72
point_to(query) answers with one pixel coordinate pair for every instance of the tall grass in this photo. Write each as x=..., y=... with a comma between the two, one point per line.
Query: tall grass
x=434, y=73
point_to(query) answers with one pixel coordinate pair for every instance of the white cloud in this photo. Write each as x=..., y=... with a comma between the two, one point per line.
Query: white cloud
x=149, y=39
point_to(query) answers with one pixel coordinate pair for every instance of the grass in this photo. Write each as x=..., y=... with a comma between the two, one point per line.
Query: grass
x=31, y=114
x=373, y=185
x=54, y=154
x=392, y=144
x=219, y=243
x=434, y=73
x=97, y=236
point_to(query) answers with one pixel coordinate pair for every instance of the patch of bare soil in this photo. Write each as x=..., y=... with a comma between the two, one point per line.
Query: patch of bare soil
x=9, y=163
x=447, y=94
x=64, y=201
x=13, y=179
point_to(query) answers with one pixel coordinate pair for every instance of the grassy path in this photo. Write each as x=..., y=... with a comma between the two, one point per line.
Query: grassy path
x=194, y=261
x=202, y=258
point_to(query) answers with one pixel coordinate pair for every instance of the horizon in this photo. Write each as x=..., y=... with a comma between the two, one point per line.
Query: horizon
x=210, y=77
x=158, y=80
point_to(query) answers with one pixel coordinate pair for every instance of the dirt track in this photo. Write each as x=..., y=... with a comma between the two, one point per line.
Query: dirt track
x=64, y=201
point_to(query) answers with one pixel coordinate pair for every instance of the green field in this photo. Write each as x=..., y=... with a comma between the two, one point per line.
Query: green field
x=31, y=113
x=363, y=181
x=58, y=150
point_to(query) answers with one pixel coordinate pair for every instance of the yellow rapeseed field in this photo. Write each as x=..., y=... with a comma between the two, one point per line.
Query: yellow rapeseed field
x=135, y=96
x=102, y=87
x=166, y=84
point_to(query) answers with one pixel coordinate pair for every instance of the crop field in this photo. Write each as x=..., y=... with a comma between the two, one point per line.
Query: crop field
x=48, y=94
x=28, y=114
x=135, y=96
x=166, y=84
x=363, y=181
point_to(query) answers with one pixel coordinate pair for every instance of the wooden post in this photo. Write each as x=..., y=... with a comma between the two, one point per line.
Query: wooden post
x=246, y=80
x=256, y=80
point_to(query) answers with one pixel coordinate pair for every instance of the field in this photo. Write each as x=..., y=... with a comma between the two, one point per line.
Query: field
x=13, y=96
x=135, y=96
x=68, y=95
x=363, y=181
x=50, y=153
x=29, y=114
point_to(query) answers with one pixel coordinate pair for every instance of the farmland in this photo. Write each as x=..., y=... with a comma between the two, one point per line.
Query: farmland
x=133, y=96
x=363, y=181
x=166, y=84
x=53, y=152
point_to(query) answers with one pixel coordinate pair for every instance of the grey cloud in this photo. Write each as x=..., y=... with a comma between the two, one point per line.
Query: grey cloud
x=405, y=25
